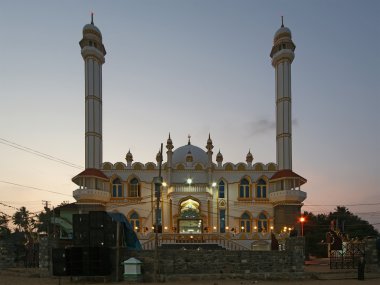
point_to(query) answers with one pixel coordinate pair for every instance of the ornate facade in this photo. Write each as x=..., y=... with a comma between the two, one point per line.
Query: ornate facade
x=200, y=193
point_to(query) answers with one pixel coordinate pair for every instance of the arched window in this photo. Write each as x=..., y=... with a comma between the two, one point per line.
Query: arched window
x=134, y=220
x=221, y=189
x=262, y=223
x=244, y=188
x=117, y=188
x=134, y=188
x=245, y=223
x=222, y=221
x=261, y=189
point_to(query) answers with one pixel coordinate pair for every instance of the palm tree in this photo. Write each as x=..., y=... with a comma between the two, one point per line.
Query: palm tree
x=4, y=230
x=23, y=220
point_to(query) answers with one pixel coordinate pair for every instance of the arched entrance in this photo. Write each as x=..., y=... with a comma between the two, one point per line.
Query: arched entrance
x=189, y=220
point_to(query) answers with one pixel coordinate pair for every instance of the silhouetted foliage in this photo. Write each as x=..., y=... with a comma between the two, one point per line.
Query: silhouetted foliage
x=316, y=227
x=44, y=221
x=4, y=229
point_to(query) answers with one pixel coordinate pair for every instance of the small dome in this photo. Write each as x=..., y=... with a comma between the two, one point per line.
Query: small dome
x=91, y=28
x=209, y=145
x=180, y=154
x=219, y=157
x=158, y=157
x=169, y=143
x=249, y=157
x=189, y=156
x=129, y=156
x=283, y=31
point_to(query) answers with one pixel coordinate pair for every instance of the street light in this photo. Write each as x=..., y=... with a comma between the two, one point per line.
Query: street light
x=302, y=220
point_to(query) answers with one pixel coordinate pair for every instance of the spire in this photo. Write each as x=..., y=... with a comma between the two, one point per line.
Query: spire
x=159, y=156
x=219, y=159
x=169, y=143
x=189, y=143
x=92, y=18
x=129, y=158
x=209, y=145
x=282, y=21
x=249, y=158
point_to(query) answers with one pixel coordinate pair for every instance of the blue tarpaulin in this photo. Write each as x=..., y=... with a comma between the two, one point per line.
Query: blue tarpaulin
x=130, y=237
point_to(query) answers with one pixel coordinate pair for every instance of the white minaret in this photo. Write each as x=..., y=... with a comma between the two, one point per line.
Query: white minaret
x=282, y=55
x=93, y=53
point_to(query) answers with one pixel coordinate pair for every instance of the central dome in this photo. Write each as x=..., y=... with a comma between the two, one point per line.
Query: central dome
x=199, y=155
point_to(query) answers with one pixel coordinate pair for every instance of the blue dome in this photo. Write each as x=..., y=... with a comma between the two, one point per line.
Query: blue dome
x=199, y=155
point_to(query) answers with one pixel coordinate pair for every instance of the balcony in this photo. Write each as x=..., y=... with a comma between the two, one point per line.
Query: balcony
x=288, y=196
x=85, y=194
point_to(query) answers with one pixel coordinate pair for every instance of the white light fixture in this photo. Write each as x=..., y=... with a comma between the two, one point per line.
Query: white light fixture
x=164, y=184
x=189, y=180
x=213, y=184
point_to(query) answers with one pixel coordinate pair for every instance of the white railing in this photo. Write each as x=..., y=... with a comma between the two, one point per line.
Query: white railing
x=218, y=239
x=190, y=189
x=296, y=195
x=91, y=194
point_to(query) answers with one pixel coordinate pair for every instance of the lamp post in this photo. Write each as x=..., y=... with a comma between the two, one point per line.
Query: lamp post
x=302, y=220
x=157, y=187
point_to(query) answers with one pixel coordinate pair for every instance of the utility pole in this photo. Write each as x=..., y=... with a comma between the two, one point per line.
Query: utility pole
x=117, y=251
x=46, y=206
x=157, y=188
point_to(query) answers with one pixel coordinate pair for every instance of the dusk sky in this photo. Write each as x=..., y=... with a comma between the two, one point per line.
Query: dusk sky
x=192, y=67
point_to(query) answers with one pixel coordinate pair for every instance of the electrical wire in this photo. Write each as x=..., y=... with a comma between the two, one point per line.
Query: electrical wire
x=34, y=188
x=40, y=154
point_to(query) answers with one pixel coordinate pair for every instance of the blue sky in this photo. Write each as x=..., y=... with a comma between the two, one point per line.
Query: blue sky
x=193, y=67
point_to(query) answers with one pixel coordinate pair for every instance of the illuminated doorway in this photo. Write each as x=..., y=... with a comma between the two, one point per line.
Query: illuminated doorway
x=190, y=221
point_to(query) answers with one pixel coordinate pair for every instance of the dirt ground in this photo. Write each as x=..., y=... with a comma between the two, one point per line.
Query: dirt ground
x=22, y=280
x=14, y=280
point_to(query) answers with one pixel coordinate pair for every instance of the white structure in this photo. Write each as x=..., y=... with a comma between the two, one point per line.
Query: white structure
x=200, y=195
x=93, y=53
x=282, y=55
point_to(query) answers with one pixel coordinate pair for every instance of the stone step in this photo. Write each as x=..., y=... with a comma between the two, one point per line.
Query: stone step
x=344, y=275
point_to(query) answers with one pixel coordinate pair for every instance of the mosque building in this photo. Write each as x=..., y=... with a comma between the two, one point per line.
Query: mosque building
x=200, y=194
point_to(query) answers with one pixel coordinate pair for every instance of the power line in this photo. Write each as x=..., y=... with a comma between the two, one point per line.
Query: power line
x=38, y=153
x=34, y=188
x=344, y=205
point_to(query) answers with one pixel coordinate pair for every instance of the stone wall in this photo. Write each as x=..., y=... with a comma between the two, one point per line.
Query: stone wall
x=372, y=255
x=212, y=264
x=7, y=254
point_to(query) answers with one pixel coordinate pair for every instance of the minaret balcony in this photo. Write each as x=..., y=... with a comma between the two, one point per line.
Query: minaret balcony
x=87, y=194
x=287, y=196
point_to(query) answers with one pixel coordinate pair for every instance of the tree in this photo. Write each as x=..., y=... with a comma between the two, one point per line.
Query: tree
x=23, y=220
x=315, y=229
x=350, y=224
x=44, y=221
x=317, y=226
x=4, y=230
